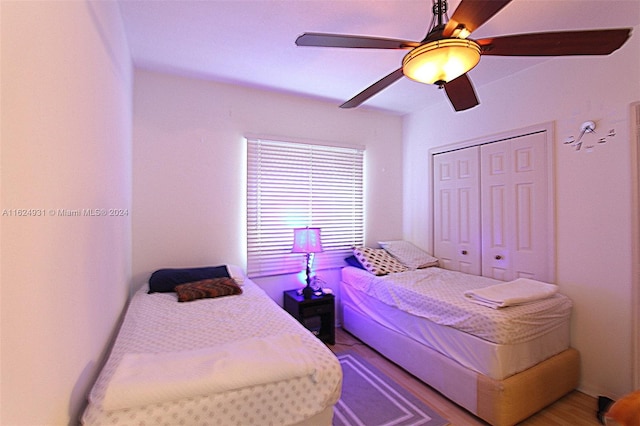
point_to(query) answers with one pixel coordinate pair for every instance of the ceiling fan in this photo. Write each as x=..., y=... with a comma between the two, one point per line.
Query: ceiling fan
x=446, y=54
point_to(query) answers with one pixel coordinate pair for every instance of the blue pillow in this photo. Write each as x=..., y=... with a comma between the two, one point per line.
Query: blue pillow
x=165, y=280
x=353, y=261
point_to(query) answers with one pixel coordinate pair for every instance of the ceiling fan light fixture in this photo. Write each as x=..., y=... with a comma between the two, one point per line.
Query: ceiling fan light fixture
x=441, y=61
x=460, y=32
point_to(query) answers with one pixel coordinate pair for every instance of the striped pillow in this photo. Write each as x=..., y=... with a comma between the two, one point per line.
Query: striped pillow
x=214, y=287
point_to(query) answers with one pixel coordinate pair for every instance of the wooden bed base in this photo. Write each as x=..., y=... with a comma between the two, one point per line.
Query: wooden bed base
x=498, y=402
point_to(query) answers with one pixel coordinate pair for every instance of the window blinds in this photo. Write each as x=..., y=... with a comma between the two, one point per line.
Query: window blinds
x=293, y=185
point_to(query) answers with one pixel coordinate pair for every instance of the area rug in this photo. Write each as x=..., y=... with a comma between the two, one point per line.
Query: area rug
x=370, y=398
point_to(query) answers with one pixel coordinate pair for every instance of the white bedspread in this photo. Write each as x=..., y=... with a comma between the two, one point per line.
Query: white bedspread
x=438, y=295
x=150, y=378
x=512, y=293
x=157, y=323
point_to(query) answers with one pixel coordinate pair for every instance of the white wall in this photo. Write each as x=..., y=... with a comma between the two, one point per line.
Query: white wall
x=593, y=190
x=66, y=144
x=189, y=168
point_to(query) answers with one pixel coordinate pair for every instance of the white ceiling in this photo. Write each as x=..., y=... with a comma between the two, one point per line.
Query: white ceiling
x=252, y=42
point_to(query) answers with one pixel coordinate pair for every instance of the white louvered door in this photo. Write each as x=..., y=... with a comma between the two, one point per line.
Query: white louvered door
x=513, y=176
x=457, y=210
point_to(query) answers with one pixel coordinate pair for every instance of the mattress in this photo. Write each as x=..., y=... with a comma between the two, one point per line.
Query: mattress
x=495, y=360
x=438, y=295
x=157, y=323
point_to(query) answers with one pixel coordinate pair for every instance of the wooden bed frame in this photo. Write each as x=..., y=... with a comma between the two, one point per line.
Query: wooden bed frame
x=498, y=402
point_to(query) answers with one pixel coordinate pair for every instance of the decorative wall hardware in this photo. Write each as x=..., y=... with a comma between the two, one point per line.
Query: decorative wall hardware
x=588, y=128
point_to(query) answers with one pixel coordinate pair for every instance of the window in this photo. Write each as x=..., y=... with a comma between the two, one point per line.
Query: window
x=293, y=185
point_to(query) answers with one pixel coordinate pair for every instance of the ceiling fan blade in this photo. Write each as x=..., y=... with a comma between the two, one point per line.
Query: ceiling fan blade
x=337, y=40
x=560, y=43
x=472, y=13
x=461, y=93
x=373, y=89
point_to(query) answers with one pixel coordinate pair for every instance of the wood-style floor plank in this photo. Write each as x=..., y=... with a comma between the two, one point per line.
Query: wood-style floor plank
x=575, y=409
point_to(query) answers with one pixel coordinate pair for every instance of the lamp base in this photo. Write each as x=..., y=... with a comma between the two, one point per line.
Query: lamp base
x=307, y=292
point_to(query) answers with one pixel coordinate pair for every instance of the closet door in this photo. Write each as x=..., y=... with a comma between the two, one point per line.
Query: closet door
x=514, y=208
x=457, y=210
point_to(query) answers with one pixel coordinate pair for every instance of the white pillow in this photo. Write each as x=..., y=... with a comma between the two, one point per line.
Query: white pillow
x=236, y=273
x=410, y=255
x=377, y=261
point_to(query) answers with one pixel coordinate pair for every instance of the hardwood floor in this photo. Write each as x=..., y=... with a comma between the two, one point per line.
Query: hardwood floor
x=574, y=409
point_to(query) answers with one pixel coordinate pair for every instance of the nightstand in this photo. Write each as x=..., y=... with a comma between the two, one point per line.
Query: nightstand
x=316, y=314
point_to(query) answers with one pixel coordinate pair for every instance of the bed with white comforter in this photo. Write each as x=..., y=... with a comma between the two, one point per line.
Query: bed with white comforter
x=233, y=360
x=502, y=359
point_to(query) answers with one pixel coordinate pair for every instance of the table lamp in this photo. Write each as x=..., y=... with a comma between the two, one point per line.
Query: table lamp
x=307, y=240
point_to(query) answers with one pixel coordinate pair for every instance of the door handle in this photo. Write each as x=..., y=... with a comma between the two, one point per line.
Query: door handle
x=464, y=252
x=498, y=257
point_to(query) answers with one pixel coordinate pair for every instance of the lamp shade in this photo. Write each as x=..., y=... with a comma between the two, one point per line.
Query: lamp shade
x=441, y=61
x=306, y=240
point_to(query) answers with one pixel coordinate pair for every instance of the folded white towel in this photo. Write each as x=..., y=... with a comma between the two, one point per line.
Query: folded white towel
x=149, y=378
x=516, y=292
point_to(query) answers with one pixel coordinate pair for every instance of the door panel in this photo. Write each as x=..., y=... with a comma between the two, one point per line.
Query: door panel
x=496, y=199
x=514, y=212
x=530, y=179
x=524, y=220
x=457, y=210
x=496, y=205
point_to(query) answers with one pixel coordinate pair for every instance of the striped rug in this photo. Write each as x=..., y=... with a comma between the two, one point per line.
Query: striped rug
x=370, y=398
